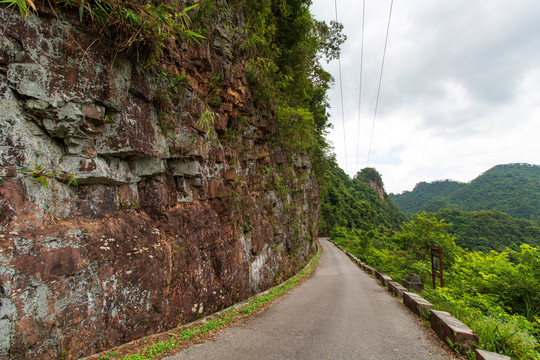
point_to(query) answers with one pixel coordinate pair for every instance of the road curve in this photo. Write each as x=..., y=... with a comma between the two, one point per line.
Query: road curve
x=339, y=313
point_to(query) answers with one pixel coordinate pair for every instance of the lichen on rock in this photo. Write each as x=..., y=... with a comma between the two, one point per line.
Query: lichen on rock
x=162, y=218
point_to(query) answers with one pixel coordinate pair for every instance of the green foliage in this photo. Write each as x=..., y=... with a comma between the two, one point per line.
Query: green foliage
x=490, y=229
x=414, y=202
x=206, y=122
x=39, y=174
x=22, y=5
x=173, y=81
x=213, y=91
x=495, y=294
x=144, y=22
x=284, y=43
x=511, y=188
x=354, y=204
x=69, y=179
x=424, y=231
x=62, y=355
x=131, y=24
x=109, y=119
x=295, y=129
x=498, y=331
x=475, y=210
x=330, y=38
x=370, y=176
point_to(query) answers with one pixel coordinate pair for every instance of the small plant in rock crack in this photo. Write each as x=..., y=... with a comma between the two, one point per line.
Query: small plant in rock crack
x=131, y=204
x=206, y=123
x=109, y=119
x=173, y=80
x=69, y=179
x=214, y=89
x=62, y=355
x=39, y=174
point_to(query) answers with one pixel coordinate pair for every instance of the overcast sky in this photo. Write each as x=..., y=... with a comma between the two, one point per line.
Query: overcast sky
x=460, y=89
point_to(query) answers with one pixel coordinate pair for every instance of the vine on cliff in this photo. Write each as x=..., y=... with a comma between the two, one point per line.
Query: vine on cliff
x=286, y=75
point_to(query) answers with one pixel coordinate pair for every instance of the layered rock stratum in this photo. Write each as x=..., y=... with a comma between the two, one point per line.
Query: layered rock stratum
x=167, y=224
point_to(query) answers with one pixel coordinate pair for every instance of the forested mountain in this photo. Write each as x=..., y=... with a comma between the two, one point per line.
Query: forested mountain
x=413, y=202
x=490, y=229
x=359, y=203
x=511, y=188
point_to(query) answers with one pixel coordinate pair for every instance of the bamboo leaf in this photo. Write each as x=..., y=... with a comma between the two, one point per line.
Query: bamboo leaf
x=190, y=7
x=81, y=10
x=194, y=34
x=31, y=3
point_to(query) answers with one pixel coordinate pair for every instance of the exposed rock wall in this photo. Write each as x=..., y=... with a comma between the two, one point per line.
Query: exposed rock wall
x=165, y=225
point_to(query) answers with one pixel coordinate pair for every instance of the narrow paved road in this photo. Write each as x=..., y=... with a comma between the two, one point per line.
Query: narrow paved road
x=339, y=313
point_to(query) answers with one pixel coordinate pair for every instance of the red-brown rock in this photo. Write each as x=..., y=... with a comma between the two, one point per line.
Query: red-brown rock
x=161, y=228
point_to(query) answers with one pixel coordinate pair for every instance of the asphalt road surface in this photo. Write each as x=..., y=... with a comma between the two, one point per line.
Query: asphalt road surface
x=339, y=313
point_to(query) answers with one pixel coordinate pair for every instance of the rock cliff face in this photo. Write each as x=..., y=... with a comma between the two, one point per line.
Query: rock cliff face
x=377, y=186
x=166, y=224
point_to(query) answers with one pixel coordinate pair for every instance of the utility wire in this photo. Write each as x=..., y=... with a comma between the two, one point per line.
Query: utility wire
x=342, y=107
x=380, y=81
x=360, y=85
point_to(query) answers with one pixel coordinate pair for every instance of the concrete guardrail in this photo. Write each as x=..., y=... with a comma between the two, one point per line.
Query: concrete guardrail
x=448, y=327
x=486, y=355
x=416, y=303
x=396, y=288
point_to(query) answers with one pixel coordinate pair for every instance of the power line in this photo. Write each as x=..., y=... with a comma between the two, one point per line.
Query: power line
x=380, y=81
x=342, y=107
x=360, y=85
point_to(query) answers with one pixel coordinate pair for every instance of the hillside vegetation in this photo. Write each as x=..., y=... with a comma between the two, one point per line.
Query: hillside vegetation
x=497, y=294
x=511, y=188
x=358, y=203
x=488, y=230
x=499, y=209
x=414, y=202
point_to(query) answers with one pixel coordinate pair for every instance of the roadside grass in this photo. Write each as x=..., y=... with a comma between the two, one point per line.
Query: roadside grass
x=181, y=338
x=499, y=332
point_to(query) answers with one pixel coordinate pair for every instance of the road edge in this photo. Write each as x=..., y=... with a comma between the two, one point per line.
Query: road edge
x=298, y=278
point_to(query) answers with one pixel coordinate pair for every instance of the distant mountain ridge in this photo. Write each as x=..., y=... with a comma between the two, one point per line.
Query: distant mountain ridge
x=510, y=188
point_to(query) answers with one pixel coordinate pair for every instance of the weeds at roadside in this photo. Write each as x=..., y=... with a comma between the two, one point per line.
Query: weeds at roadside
x=425, y=315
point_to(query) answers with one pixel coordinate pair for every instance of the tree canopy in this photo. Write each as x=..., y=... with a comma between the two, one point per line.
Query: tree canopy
x=488, y=230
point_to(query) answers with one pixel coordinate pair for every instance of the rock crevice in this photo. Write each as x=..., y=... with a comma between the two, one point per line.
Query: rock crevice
x=165, y=224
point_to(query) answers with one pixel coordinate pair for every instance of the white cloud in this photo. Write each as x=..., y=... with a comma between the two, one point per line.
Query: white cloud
x=459, y=94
